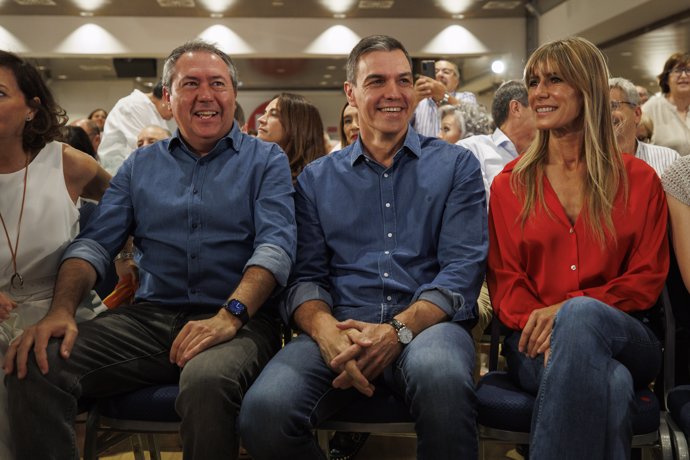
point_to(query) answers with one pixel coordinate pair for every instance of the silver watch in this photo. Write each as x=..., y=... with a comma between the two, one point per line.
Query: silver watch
x=405, y=335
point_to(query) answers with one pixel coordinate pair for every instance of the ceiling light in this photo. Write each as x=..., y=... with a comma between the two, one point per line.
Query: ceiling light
x=216, y=15
x=327, y=75
x=176, y=3
x=501, y=5
x=339, y=16
x=61, y=77
x=458, y=16
x=324, y=83
x=498, y=66
x=375, y=4
x=86, y=14
x=35, y=2
x=331, y=67
x=277, y=3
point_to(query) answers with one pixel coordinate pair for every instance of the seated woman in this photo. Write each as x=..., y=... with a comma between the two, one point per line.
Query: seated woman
x=452, y=123
x=578, y=247
x=41, y=181
x=676, y=180
x=294, y=123
x=348, y=126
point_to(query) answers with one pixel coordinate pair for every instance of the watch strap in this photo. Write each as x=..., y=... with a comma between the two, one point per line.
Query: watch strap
x=237, y=309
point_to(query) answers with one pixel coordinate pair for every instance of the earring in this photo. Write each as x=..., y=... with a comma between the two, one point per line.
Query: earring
x=29, y=118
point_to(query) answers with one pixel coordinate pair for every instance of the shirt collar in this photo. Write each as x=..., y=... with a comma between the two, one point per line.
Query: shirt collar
x=501, y=140
x=412, y=145
x=231, y=141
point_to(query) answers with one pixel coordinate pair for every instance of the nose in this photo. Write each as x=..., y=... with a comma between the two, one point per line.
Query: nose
x=204, y=92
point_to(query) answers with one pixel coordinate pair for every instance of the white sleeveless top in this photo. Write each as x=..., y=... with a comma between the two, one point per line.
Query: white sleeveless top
x=50, y=222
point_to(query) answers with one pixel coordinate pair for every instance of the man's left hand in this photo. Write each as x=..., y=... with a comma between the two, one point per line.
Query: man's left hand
x=197, y=336
x=373, y=359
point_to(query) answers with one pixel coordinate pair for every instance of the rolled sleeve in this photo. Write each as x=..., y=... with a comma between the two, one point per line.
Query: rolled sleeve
x=90, y=251
x=303, y=292
x=274, y=259
x=448, y=301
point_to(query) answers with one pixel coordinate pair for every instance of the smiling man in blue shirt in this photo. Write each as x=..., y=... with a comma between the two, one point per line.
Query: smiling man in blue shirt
x=212, y=216
x=392, y=242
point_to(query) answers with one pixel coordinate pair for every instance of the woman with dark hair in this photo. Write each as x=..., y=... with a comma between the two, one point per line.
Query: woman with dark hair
x=76, y=137
x=40, y=182
x=349, y=125
x=670, y=110
x=577, y=253
x=294, y=123
x=99, y=116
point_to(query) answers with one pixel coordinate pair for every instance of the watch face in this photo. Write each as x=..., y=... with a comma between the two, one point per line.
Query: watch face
x=405, y=335
x=236, y=308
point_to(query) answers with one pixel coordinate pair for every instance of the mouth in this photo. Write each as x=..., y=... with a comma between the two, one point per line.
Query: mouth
x=391, y=109
x=545, y=109
x=205, y=114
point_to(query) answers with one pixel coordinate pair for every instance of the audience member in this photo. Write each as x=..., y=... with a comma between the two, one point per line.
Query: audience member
x=626, y=112
x=151, y=134
x=588, y=257
x=129, y=116
x=41, y=181
x=76, y=137
x=676, y=181
x=477, y=119
x=348, y=127
x=669, y=110
x=452, y=123
x=514, y=133
x=237, y=243
x=294, y=123
x=379, y=312
x=99, y=116
x=645, y=129
x=431, y=94
x=91, y=129
x=642, y=93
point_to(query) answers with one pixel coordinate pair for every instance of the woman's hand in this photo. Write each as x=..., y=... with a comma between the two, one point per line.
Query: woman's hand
x=6, y=306
x=536, y=336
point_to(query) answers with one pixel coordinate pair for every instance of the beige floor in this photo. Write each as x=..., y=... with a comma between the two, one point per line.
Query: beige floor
x=376, y=448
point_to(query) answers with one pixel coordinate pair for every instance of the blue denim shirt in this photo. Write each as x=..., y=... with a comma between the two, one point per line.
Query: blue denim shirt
x=372, y=240
x=197, y=222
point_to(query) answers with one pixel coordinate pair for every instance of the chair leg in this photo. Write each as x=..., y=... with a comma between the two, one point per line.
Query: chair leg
x=91, y=435
x=154, y=448
x=665, y=439
x=680, y=443
x=324, y=436
x=137, y=447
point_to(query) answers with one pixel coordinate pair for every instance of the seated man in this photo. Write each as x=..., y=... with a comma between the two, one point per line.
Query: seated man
x=151, y=134
x=212, y=217
x=392, y=241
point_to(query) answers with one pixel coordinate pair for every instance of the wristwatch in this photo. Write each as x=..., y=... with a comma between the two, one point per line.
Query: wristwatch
x=446, y=98
x=237, y=309
x=405, y=335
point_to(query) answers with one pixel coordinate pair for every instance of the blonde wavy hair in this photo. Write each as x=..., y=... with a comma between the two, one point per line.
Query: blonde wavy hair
x=582, y=65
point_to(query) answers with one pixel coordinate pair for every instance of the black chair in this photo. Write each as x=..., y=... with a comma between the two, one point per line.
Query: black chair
x=505, y=411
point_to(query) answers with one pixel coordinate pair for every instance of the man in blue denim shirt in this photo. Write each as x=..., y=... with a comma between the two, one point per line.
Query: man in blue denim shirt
x=212, y=216
x=392, y=241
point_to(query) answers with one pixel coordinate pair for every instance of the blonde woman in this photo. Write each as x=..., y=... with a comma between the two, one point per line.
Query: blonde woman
x=578, y=248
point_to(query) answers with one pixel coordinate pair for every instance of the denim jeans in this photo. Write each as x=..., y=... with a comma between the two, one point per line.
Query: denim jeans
x=585, y=394
x=432, y=376
x=126, y=349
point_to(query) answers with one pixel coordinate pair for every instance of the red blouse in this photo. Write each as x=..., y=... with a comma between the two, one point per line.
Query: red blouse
x=549, y=260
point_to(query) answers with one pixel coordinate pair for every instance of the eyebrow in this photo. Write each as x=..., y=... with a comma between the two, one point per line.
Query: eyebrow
x=375, y=76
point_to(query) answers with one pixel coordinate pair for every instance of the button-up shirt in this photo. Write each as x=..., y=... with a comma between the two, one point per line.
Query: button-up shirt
x=197, y=222
x=549, y=260
x=493, y=153
x=372, y=240
x=426, y=120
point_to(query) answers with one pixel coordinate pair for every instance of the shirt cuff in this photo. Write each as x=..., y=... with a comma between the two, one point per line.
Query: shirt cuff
x=451, y=303
x=300, y=293
x=274, y=259
x=90, y=251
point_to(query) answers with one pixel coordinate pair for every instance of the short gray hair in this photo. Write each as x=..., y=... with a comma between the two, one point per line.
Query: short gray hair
x=628, y=88
x=457, y=112
x=367, y=45
x=512, y=90
x=195, y=45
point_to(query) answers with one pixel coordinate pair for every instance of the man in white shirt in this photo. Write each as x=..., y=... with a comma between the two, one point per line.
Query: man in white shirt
x=130, y=115
x=626, y=113
x=514, y=133
x=432, y=94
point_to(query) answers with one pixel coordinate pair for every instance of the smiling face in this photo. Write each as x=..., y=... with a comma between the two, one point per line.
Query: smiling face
x=557, y=104
x=447, y=73
x=625, y=119
x=202, y=99
x=99, y=117
x=13, y=107
x=450, y=129
x=350, y=124
x=679, y=80
x=384, y=94
x=270, y=127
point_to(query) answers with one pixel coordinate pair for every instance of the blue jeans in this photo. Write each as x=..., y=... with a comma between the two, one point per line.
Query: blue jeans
x=128, y=348
x=585, y=395
x=432, y=376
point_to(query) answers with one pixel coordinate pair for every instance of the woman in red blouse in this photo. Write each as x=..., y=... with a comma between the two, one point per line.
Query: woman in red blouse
x=577, y=247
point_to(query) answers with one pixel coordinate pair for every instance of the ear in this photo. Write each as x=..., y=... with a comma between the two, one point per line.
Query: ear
x=638, y=115
x=166, y=95
x=514, y=108
x=349, y=93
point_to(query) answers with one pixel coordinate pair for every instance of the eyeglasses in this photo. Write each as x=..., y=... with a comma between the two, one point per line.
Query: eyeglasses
x=615, y=105
x=680, y=70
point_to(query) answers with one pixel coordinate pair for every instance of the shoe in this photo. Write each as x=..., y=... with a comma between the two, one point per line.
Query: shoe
x=345, y=445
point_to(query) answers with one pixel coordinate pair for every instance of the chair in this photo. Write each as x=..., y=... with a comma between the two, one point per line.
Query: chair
x=505, y=411
x=148, y=411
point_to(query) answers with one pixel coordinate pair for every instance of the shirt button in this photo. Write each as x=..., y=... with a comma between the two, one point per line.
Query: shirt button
x=387, y=252
x=385, y=174
x=390, y=235
x=385, y=275
x=389, y=298
x=195, y=191
x=572, y=230
x=573, y=267
x=388, y=205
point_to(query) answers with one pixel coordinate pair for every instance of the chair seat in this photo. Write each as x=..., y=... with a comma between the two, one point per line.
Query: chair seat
x=382, y=407
x=151, y=404
x=678, y=401
x=504, y=406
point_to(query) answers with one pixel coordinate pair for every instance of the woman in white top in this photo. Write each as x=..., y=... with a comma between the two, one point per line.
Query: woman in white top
x=669, y=111
x=40, y=183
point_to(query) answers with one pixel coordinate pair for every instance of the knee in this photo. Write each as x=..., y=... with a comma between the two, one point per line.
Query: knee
x=581, y=313
x=207, y=387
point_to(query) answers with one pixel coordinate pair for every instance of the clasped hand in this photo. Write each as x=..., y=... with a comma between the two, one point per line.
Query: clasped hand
x=360, y=353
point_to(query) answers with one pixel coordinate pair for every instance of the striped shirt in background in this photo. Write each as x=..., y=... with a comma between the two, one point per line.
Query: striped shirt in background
x=656, y=156
x=426, y=120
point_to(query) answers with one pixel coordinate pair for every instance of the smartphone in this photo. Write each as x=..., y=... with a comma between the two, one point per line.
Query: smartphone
x=429, y=68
